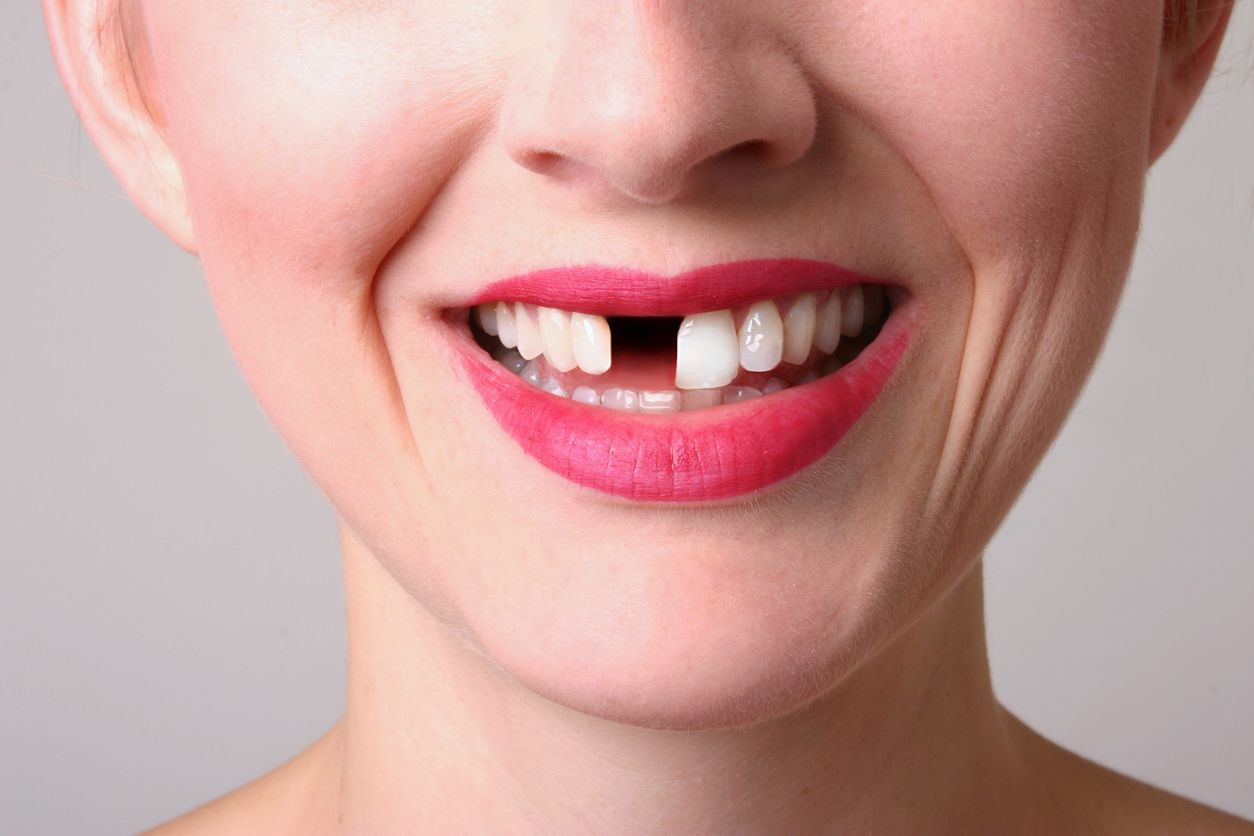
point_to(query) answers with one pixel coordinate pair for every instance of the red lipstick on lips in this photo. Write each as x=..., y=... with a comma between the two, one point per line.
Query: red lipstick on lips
x=719, y=453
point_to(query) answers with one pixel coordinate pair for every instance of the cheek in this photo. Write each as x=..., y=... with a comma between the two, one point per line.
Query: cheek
x=1006, y=111
x=308, y=148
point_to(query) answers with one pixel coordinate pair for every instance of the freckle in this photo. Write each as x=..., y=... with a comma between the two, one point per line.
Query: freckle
x=805, y=790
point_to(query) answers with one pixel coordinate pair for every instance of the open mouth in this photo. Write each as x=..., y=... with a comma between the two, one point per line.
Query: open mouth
x=682, y=364
x=704, y=386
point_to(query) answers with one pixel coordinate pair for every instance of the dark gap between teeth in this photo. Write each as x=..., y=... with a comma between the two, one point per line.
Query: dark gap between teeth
x=651, y=341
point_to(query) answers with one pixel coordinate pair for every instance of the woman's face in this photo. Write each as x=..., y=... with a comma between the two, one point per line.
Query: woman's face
x=358, y=174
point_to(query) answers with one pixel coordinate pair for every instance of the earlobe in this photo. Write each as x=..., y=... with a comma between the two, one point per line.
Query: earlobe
x=102, y=88
x=1185, y=62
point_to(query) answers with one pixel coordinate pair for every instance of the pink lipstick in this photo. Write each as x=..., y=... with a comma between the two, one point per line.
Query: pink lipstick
x=728, y=451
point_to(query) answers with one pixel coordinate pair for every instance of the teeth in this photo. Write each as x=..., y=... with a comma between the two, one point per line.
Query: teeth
x=624, y=400
x=761, y=338
x=735, y=394
x=827, y=324
x=694, y=399
x=532, y=373
x=590, y=341
x=585, y=394
x=530, y=341
x=512, y=360
x=554, y=388
x=665, y=401
x=799, y=329
x=506, y=327
x=851, y=320
x=707, y=353
x=555, y=331
x=540, y=344
x=486, y=314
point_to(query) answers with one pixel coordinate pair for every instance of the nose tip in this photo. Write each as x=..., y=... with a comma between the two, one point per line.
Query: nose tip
x=644, y=105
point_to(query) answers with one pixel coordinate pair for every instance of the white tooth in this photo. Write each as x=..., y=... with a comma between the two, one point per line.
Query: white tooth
x=554, y=388
x=799, y=329
x=827, y=324
x=851, y=319
x=486, y=314
x=707, y=353
x=761, y=337
x=733, y=394
x=530, y=343
x=665, y=401
x=624, y=400
x=773, y=385
x=507, y=330
x=513, y=361
x=532, y=374
x=590, y=341
x=694, y=399
x=585, y=394
x=555, y=331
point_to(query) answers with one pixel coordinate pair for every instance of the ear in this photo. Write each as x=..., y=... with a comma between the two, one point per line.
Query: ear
x=1189, y=49
x=100, y=75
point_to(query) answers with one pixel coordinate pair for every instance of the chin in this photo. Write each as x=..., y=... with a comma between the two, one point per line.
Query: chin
x=695, y=635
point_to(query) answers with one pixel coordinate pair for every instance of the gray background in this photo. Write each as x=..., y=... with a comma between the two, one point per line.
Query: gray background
x=170, y=600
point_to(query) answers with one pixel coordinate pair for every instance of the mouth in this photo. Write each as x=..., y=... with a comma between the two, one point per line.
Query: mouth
x=710, y=385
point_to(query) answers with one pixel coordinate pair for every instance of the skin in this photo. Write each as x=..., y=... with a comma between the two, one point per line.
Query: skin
x=529, y=656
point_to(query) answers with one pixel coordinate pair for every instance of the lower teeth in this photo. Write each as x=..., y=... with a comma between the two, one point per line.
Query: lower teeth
x=536, y=373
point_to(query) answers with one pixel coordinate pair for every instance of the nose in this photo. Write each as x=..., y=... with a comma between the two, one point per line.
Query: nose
x=646, y=97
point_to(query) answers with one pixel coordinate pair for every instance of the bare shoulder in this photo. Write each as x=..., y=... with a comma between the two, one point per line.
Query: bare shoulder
x=290, y=799
x=1097, y=799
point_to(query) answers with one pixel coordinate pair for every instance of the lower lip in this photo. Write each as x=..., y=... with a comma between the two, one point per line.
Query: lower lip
x=718, y=453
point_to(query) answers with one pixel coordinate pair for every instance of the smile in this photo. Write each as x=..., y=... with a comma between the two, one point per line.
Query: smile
x=704, y=386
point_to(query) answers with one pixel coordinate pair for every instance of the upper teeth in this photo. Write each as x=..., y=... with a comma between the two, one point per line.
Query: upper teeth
x=710, y=350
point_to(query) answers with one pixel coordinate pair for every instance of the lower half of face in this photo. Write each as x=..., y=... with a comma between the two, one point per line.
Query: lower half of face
x=652, y=349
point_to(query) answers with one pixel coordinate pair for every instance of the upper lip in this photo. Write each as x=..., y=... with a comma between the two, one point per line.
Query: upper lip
x=626, y=291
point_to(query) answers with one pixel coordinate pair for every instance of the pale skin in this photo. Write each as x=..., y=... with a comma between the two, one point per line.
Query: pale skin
x=526, y=656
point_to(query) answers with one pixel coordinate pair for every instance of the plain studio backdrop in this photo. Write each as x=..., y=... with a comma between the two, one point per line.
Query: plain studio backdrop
x=170, y=598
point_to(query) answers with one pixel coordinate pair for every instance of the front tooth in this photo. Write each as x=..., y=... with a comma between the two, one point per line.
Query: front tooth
x=691, y=400
x=665, y=401
x=851, y=320
x=555, y=331
x=827, y=324
x=761, y=337
x=707, y=354
x=507, y=329
x=624, y=400
x=590, y=342
x=530, y=342
x=799, y=329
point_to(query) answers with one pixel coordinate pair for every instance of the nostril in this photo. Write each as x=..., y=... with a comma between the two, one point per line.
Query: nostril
x=542, y=162
x=754, y=150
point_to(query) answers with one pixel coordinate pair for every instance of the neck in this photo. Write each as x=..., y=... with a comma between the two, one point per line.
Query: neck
x=437, y=737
